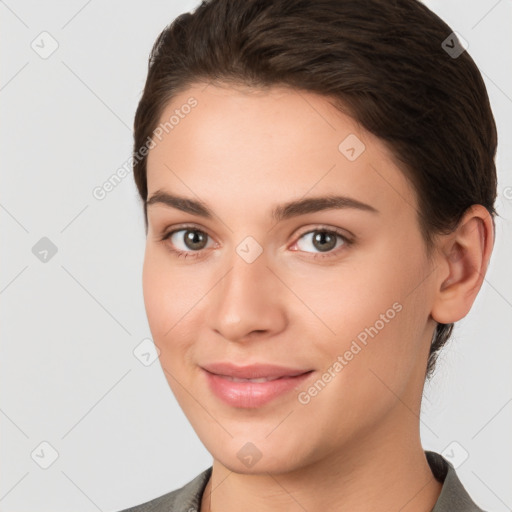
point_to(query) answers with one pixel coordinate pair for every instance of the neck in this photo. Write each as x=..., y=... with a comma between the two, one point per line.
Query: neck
x=384, y=470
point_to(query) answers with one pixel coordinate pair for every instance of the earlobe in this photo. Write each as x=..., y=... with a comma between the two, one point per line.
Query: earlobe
x=462, y=263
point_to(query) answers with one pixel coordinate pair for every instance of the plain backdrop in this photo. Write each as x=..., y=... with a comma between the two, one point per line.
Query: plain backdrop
x=77, y=396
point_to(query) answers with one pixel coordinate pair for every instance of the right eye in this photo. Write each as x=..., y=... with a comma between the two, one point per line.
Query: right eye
x=191, y=239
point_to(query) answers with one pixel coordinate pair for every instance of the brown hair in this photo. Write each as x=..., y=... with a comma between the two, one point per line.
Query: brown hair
x=394, y=66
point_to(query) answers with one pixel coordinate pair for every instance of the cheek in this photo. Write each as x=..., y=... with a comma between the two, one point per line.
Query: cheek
x=164, y=298
x=378, y=312
x=350, y=299
x=155, y=293
x=166, y=309
x=172, y=298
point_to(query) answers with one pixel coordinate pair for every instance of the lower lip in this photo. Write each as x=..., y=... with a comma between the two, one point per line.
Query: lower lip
x=252, y=394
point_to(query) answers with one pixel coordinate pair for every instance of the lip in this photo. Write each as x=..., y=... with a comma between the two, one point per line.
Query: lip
x=250, y=395
x=253, y=371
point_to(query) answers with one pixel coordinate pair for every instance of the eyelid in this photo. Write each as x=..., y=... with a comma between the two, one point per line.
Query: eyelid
x=181, y=227
x=345, y=234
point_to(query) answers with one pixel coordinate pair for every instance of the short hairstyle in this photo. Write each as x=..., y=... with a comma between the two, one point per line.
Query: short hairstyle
x=387, y=64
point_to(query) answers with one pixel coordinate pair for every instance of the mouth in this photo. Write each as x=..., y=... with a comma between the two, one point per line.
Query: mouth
x=254, y=371
x=262, y=379
x=251, y=393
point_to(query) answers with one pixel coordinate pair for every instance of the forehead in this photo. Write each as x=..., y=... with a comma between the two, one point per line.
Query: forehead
x=261, y=143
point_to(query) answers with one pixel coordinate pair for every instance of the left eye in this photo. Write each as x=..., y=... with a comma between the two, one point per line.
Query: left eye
x=322, y=239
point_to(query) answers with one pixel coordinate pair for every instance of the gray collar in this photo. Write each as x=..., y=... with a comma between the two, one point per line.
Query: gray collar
x=453, y=497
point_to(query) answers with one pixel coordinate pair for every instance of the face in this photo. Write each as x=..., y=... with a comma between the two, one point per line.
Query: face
x=340, y=290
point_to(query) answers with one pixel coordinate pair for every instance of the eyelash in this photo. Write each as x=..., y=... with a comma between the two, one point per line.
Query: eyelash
x=197, y=254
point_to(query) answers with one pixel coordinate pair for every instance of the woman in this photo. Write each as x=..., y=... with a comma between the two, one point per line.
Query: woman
x=318, y=183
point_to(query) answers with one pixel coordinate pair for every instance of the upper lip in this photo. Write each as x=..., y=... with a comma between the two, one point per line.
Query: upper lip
x=252, y=371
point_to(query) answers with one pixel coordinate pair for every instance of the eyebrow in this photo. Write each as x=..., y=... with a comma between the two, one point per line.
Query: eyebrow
x=280, y=212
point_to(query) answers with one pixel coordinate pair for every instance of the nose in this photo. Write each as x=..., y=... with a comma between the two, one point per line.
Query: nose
x=248, y=302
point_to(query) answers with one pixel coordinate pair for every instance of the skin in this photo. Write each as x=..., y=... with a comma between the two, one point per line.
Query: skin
x=356, y=445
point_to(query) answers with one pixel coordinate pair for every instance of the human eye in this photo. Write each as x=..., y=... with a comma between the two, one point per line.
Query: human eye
x=325, y=240
x=191, y=239
x=191, y=242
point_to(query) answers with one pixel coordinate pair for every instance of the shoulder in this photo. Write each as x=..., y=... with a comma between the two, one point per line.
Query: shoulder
x=453, y=497
x=184, y=499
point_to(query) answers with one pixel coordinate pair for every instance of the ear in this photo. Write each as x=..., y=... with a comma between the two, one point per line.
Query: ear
x=462, y=262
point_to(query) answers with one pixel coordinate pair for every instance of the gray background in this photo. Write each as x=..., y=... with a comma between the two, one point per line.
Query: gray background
x=70, y=324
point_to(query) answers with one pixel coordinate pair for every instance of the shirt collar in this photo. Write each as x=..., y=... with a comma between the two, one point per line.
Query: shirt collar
x=453, y=497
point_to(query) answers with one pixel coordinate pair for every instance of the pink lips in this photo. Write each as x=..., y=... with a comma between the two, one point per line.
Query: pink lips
x=250, y=394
